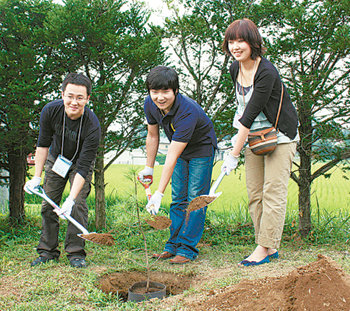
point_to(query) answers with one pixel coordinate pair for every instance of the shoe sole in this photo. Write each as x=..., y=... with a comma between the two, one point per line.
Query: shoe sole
x=180, y=262
x=247, y=263
x=159, y=256
x=274, y=256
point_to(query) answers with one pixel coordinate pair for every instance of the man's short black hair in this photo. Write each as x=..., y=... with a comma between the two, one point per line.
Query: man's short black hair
x=162, y=78
x=77, y=79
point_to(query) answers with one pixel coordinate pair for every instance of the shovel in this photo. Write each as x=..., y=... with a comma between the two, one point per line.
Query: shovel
x=204, y=200
x=100, y=238
x=146, y=184
x=157, y=222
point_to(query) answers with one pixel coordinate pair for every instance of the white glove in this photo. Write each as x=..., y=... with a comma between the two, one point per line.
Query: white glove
x=32, y=184
x=66, y=208
x=147, y=171
x=153, y=204
x=229, y=164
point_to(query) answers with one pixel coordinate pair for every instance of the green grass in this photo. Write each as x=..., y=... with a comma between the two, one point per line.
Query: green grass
x=228, y=235
x=330, y=197
x=328, y=194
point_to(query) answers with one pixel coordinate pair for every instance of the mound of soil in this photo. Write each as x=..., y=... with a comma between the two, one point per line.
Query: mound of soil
x=319, y=286
x=119, y=282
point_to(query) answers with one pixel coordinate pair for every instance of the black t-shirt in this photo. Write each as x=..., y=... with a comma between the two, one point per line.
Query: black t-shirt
x=50, y=135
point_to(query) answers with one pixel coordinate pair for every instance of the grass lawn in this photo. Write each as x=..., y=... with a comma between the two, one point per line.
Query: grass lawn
x=328, y=194
x=227, y=237
x=57, y=286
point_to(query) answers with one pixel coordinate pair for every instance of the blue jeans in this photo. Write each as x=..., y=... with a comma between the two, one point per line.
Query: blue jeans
x=190, y=179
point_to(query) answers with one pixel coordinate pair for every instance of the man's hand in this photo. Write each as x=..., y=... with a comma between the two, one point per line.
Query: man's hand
x=66, y=208
x=229, y=164
x=32, y=184
x=146, y=172
x=153, y=204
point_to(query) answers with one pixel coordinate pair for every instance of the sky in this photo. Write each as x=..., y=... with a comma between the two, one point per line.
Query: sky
x=160, y=10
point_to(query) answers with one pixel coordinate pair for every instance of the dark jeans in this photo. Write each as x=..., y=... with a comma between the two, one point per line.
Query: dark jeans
x=189, y=180
x=54, y=186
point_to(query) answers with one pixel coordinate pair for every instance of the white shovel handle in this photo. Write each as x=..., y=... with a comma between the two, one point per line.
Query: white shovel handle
x=217, y=183
x=42, y=194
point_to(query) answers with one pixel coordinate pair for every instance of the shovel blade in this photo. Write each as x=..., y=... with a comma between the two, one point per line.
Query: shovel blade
x=202, y=201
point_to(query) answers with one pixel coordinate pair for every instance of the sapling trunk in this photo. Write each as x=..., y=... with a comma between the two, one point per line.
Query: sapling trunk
x=143, y=236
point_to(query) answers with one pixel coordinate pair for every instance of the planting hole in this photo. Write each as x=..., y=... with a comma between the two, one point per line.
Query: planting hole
x=119, y=282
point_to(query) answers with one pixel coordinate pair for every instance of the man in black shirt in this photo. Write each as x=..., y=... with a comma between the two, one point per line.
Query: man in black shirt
x=67, y=145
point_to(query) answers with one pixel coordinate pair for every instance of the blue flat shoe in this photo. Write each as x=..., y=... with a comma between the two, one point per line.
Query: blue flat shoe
x=248, y=263
x=275, y=255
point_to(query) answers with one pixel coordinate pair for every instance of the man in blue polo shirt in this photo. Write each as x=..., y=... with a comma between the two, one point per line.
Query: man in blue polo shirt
x=189, y=160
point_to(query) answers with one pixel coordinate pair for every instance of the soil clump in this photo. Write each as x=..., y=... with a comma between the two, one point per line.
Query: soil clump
x=319, y=286
x=99, y=238
x=159, y=222
x=120, y=282
x=199, y=202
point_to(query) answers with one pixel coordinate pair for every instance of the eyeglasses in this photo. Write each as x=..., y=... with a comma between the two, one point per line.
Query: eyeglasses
x=78, y=99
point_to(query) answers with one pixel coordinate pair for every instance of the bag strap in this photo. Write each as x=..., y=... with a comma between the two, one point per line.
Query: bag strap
x=281, y=99
x=280, y=106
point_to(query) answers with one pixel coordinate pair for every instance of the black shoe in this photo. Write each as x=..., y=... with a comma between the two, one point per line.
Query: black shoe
x=78, y=262
x=40, y=260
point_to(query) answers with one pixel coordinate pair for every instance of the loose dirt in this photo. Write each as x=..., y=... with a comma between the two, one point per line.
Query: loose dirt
x=200, y=202
x=99, y=238
x=197, y=203
x=159, y=222
x=119, y=282
x=319, y=286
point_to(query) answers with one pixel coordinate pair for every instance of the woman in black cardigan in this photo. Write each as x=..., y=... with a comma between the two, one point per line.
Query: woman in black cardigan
x=258, y=92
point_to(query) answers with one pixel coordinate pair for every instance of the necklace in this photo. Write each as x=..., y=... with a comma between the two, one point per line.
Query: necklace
x=242, y=75
x=252, y=82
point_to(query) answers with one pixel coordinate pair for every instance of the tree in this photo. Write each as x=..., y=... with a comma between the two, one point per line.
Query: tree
x=309, y=40
x=25, y=80
x=196, y=39
x=113, y=45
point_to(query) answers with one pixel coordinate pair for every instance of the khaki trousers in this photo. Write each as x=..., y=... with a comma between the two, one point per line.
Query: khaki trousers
x=267, y=185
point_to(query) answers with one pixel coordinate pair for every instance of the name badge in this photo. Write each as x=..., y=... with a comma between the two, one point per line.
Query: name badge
x=61, y=166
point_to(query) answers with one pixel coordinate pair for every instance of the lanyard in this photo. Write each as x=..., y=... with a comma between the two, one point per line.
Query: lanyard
x=63, y=130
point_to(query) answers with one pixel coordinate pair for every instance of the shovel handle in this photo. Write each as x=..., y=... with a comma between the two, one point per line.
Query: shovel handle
x=147, y=185
x=217, y=183
x=148, y=193
x=40, y=192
